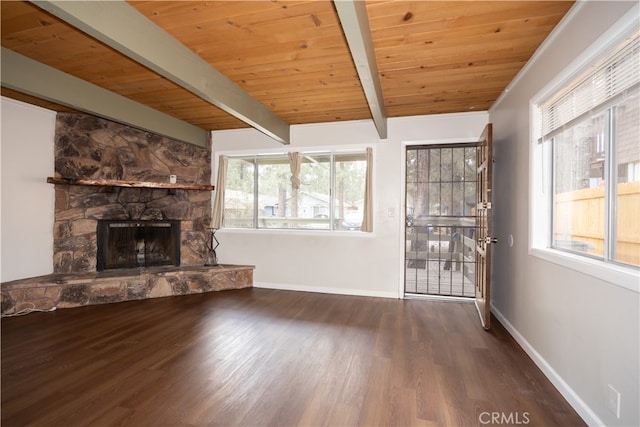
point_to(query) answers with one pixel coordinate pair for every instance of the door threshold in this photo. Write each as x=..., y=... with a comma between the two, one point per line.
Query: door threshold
x=467, y=300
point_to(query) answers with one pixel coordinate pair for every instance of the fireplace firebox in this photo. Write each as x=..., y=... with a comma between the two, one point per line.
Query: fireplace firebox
x=132, y=244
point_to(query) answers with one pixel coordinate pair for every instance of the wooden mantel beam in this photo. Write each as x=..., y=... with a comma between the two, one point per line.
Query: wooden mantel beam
x=128, y=184
x=355, y=25
x=120, y=26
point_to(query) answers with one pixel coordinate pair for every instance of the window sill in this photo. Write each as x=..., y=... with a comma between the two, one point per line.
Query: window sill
x=624, y=277
x=299, y=232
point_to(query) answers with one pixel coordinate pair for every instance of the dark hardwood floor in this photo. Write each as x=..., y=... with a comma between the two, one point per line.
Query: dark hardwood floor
x=258, y=357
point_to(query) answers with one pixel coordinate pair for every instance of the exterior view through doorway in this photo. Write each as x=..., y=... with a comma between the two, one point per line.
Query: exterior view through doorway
x=440, y=220
x=447, y=221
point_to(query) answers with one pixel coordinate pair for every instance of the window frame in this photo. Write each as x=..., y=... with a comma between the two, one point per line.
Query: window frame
x=541, y=172
x=332, y=152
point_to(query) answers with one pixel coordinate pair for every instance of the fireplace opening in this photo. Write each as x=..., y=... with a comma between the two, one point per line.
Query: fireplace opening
x=132, y=244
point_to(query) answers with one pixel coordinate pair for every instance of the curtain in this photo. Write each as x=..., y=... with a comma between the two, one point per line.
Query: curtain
x=294, y=164
x=367, y=215
x=218, y=206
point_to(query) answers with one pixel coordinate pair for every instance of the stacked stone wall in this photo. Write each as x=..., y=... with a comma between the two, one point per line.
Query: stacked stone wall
x=87, y=147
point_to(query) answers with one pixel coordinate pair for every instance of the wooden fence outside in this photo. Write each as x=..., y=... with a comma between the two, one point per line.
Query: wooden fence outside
x=579, y=221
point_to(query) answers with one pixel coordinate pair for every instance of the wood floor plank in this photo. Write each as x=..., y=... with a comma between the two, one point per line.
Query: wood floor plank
x=257, y=357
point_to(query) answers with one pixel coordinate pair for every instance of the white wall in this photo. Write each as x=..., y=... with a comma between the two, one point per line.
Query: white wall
x=340, y=262
x=27, y=205
x=583, y=332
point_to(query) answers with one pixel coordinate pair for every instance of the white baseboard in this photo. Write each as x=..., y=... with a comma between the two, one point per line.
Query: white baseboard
x=326, y=290
x=585, y=412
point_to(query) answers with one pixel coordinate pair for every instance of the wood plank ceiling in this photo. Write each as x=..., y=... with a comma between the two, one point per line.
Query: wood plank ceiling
x=432, y=57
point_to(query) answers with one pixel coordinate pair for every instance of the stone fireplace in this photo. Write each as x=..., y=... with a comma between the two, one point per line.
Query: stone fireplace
x=117, y=243
x=87, y=147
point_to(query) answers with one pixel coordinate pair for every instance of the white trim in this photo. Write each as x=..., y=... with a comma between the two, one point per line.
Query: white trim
x=609, y=39
x=332, y=150
x=326, y=290
x=626, y=278
x=539, y=207
x=299, y=232
x=585, y=412
x=402, y=216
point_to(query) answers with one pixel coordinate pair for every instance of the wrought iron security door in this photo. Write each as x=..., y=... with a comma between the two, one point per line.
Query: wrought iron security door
x=440, y=220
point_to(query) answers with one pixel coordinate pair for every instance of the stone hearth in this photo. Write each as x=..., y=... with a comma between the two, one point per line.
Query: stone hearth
x=79, y=289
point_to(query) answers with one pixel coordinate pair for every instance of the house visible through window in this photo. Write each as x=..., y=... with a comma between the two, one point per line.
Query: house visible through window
x=328, y=194
x=589, y=134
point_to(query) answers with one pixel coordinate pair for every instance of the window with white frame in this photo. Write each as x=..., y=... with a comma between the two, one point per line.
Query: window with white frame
x=588, y=152
x=304, y=191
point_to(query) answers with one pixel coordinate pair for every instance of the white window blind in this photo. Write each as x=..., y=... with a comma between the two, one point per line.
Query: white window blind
x=613, y=77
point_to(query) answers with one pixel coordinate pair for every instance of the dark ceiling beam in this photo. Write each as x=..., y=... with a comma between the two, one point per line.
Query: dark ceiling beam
x=34, y=78
x=120, y=26
x=355, y=25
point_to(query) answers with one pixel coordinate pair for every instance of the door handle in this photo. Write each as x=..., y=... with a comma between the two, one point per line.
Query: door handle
x=409, y=221
x=487, y=240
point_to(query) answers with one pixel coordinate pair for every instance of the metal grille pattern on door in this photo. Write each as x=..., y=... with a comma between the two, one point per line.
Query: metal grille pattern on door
x=440, y=220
